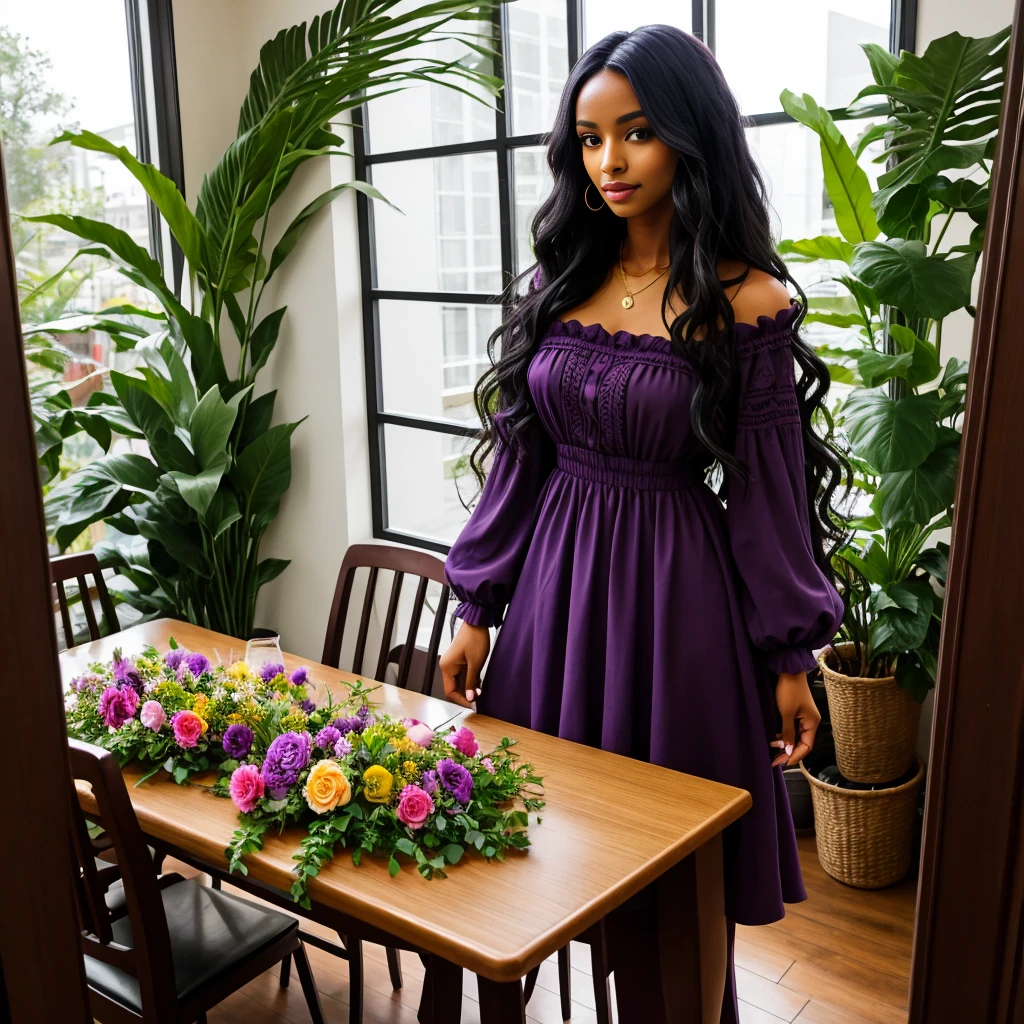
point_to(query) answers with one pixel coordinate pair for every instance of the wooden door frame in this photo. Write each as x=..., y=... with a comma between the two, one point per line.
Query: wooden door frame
x=41, y=972
x=969, y=927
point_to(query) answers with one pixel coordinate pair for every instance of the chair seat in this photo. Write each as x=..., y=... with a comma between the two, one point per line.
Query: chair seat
x=211, y=932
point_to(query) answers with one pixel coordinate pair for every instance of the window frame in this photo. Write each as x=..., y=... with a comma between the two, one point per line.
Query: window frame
x=154, y=85
x=902, y=35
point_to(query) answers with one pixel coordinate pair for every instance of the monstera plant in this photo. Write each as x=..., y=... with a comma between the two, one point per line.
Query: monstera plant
x=937, y=115
x=186, y=510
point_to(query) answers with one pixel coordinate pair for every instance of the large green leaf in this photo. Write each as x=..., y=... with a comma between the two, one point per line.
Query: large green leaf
x=924, y=362
x=903, y=615
x=877, y=367
x=263, y=471
x=919, y=494
x=210, y=428
x=165, y=195
x=118, y=245
x=143, y=409
x=902, y=274
x=263, y=340
x=891, y=434
x=845, y=180
x=198, y=490
x=295, y=230
x=944, y=111
x=823, y=247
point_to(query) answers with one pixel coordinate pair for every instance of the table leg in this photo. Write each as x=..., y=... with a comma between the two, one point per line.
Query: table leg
x=501, y=1002
x=441, y=998
x=668, y=945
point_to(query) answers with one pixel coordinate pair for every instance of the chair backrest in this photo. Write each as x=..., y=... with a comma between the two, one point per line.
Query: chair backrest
x=148, y=958
x=403, y=562
x=79, y=567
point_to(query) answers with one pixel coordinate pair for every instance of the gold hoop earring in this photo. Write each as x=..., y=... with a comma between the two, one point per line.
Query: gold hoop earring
x=589, y=207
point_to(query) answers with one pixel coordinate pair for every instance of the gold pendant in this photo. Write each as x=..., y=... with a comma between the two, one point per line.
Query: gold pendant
x=627, y=302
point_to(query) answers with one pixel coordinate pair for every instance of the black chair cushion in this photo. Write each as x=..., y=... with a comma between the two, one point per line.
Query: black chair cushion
x=211, y=933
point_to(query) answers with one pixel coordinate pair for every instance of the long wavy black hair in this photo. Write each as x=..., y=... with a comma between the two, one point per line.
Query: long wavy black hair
x=721, y=210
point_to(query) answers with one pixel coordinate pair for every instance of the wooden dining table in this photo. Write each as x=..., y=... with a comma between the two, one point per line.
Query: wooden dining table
x=620, y=841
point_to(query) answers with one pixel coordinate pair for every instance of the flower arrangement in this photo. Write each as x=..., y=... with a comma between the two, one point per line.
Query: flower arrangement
x=180, y=713
x=353, y=776
x=371, y=783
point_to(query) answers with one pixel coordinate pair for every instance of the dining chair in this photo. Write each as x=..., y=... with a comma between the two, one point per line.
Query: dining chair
x=165, y=950
x=79, y=567
x=415, y=665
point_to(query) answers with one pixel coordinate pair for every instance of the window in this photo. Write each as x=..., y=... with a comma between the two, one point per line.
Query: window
x=470, y=181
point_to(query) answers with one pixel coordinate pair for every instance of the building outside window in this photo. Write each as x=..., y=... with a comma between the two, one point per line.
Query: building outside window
x=468, y=184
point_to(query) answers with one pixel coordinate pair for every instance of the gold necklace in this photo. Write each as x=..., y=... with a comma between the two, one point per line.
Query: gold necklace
x=627, y=302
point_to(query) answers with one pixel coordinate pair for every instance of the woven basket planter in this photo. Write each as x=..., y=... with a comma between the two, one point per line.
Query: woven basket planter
x=864, y=836
x=875, y=722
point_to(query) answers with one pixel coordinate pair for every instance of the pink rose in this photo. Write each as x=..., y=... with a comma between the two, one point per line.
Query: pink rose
x=188, y=727
x=414, y=806
x=246, y=787
x=464, y=742
x=153, y=715
x=488, y=764
x=117, y=705
x=420, y=733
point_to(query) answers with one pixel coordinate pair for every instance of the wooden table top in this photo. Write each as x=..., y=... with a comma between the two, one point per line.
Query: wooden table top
x=610, y=826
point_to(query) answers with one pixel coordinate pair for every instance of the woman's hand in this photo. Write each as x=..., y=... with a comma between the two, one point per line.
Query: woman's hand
x=799, y=714
x=461, y=663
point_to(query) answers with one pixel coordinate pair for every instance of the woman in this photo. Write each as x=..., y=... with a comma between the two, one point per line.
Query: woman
x=657, y=340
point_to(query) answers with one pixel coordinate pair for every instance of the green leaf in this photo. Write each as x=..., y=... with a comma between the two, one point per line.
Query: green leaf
x=269, y=569
x=221, y=513
x=904, y=275
x=845, y=180
x=295, y=230
x=145, y=412
x=263, y=340
x=263, y=471
x=452, y=853
x=210, y=429
x=258, y=417
x=877, y=367
x=164, y=193
x=393, y=866
x=919, y=494
x=823, y=247
x=925, y=359
x=891, y=434
x=198, y=490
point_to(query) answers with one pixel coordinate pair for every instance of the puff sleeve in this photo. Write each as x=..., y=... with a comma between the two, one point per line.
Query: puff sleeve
x=790, y=606
x=484, y=563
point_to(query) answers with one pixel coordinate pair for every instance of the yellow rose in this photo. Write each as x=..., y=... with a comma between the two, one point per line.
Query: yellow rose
x=377, y=783
x=327, y=787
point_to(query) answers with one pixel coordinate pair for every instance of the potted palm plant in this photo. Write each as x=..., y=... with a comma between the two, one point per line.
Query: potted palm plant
x=186, y=516
x=902, y=418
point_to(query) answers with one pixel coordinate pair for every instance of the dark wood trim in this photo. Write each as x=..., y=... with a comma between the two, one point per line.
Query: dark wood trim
x=967, y=939
x=39, y=939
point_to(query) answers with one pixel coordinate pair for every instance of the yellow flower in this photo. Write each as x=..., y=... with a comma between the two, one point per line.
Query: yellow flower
x=377, y=783
x=327, y=787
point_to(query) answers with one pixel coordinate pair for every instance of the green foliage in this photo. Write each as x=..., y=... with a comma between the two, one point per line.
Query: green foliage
x=903, y=418
x=185, y=523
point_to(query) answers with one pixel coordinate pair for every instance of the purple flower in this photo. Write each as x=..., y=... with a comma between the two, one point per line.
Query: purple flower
x=286, y=757
x=197, y=664
x=429, y=781
x=271, y=670
x=327, y=737
x=299, y=676
x=455, y=779
x=172, y=659
x=363, y=711
x=309, y=706
x=347, y=725
x=237, y=741
x=117, y=705
x=342, y=748
x=125, y=671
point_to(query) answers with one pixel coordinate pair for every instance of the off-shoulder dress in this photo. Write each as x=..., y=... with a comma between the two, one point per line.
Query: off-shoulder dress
x=640, y=612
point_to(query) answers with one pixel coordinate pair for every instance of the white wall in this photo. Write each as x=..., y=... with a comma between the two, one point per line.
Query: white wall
x=317, y=367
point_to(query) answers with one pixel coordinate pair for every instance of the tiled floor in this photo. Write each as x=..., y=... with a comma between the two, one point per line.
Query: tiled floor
x=843, y=957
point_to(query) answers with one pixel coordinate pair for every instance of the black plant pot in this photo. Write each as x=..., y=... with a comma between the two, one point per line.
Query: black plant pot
x=799, y=792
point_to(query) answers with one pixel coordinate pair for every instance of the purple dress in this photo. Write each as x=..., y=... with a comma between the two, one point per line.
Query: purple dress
x=639, y=614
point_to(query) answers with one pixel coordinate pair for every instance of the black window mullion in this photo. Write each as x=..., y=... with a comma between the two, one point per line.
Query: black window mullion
x=574, y=30
x=371, y=329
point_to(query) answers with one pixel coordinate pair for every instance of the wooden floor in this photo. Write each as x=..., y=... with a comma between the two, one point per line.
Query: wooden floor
x=842, y=957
